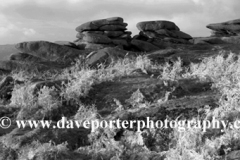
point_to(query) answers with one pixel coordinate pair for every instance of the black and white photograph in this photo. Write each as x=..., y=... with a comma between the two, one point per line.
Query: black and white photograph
x=119, y=80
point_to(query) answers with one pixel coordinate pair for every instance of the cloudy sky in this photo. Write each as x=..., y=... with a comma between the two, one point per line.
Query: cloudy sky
x=52, y=20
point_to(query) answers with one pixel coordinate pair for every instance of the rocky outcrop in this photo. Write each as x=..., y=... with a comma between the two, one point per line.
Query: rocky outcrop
x=103, y=33
x=49, y=51
x=26, y=57
x=222, y=33
x=158, y=33
x=106, y=56
x=157, y=25
x=144, y=45
x=11, y=65
x=67, y=43
x=42, y=55
x=229, y=28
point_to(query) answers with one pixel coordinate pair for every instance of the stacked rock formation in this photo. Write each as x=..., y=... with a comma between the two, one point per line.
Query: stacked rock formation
x=41, y=55
x=222, y=33
x=103, y=33
x=158, y=32
x=225, y=29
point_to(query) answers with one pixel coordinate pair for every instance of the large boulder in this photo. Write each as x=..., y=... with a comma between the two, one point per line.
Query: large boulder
x=92, y=46
x=182, y=35
x=230, y=27
x=50, y=51
x=95, y=25
x=113, y=34
x=26, y=57
x=159, y=33
x=175, y=40
x=106, y=56
x=121, y=42
x=102, y=33
x=165, y=33
x=144, y=46
x=96, y=38
x=112, y=28
x=67, y=43
x=156, y=25
x=217, y=40
x=11, y=65
x=159, y=55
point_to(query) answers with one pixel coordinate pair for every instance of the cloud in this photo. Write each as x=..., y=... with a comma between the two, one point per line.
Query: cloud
x=57, y=19
x=29, y=32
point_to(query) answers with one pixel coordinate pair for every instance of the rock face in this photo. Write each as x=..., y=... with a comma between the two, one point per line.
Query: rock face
x=49, y=51
x=143, y=45
x=25, y=57
x=222, y=33
x=105, y=56
x=66, y=43
x=95, y=25
x=17, y=65
x=229, y=28
x=159, y=32
x=103, y=33
x=157, y=25
x=42, y=55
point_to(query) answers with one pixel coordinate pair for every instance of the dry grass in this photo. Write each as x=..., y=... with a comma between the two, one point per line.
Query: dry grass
x=192, y=144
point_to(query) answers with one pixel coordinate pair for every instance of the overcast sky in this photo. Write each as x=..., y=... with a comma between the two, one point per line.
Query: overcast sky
x=53, y=20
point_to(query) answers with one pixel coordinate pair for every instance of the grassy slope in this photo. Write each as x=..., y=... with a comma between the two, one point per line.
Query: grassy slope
x=223, y=73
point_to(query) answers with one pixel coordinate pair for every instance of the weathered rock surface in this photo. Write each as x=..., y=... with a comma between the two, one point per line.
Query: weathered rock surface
x=191, y=53
x=112, y=28
x=156, y=25
x=104, y=31
x=96, y=24
x=17, y=65
x=143, y=45
x=121, y=42
x=50, y=51
x=217, y=40
x=92, y=46
x=227, y=32
x=161, y=33
x=67, y=43
x=113, y=34
x=96, y=38
x=105, y=56
x=229, y=28
x=26, y=57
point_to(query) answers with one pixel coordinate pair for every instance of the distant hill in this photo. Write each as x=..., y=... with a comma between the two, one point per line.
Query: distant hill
x=7, y=50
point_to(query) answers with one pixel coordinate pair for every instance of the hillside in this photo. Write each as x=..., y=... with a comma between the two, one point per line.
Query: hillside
x=6, y=51
x=172, y=85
